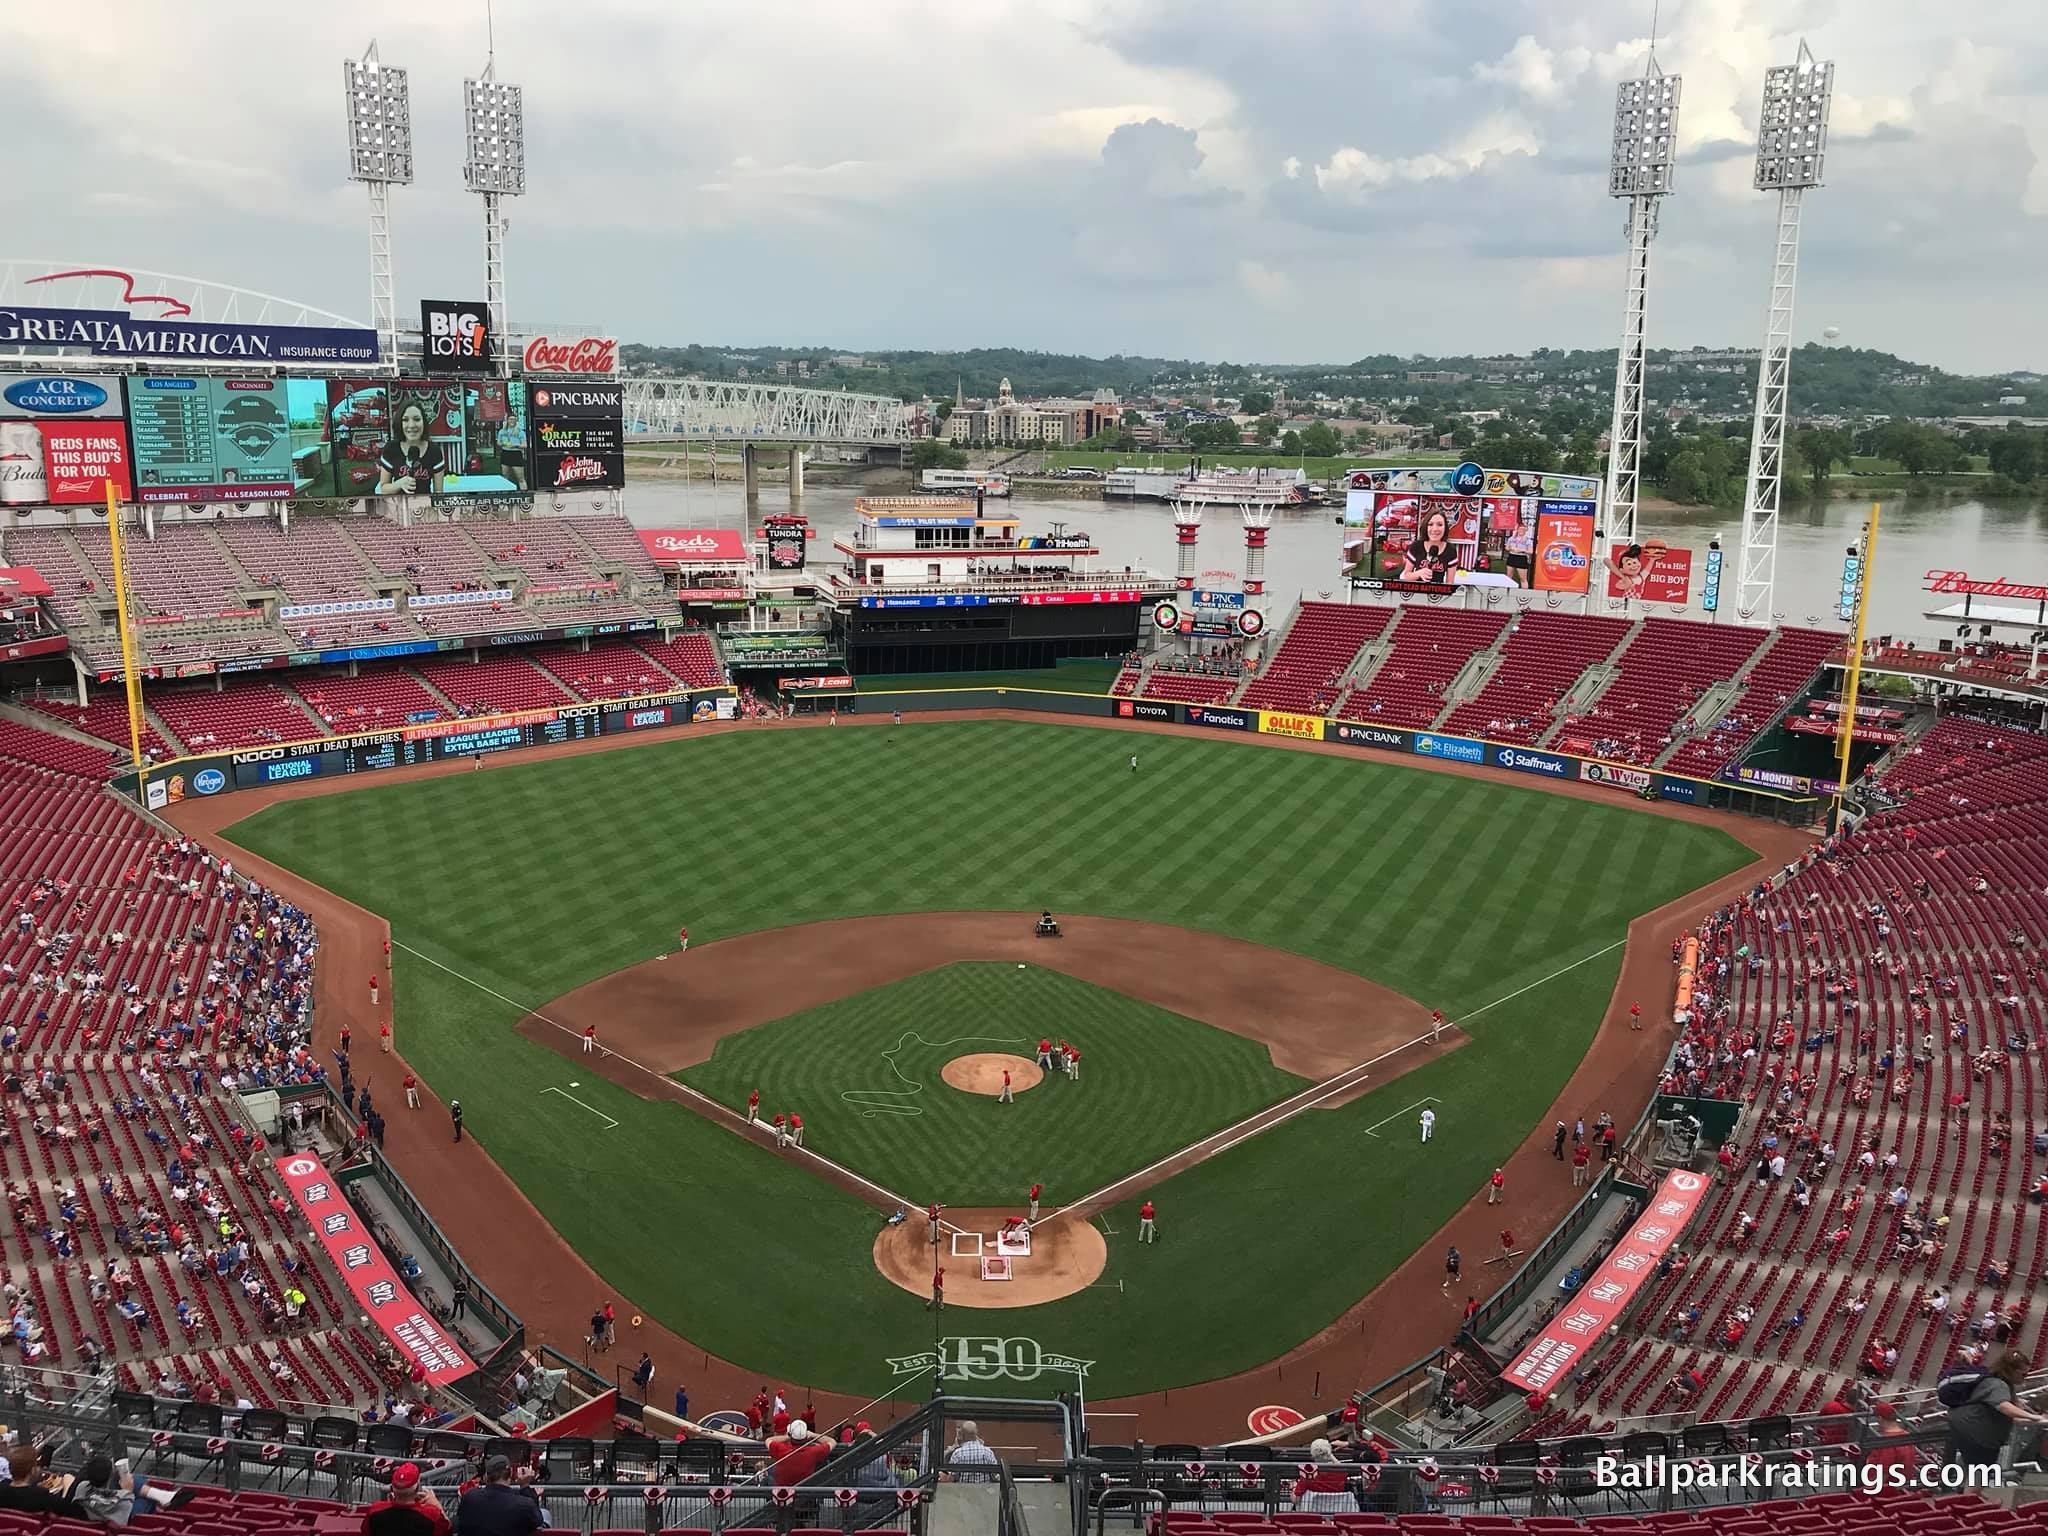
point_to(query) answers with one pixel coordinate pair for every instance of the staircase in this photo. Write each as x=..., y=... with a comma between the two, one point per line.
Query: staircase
x=232, y=561
x=436, y=694
x=285, y=687
x=1591, y=684
x=1371, y=657
x=1477, y=672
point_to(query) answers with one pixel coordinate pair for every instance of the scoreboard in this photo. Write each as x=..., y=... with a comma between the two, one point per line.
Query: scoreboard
x=324, y=759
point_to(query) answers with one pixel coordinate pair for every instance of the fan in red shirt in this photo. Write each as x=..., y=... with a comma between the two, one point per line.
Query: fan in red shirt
x=796, y=1453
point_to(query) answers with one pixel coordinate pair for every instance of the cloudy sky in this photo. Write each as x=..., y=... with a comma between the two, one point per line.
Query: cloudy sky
x=1273, y=180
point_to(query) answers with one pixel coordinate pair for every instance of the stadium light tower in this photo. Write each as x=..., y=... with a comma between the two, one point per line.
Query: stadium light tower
x=495, y=116
x=379, y=156
x=1792, y=137
x=1639, y=169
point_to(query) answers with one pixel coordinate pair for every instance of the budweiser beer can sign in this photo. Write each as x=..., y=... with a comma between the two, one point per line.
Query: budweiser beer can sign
x=583, y=354
x=24, y=481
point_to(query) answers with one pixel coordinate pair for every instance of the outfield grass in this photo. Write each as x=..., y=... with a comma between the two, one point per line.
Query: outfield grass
x=1503, y=906
x=864, y=1074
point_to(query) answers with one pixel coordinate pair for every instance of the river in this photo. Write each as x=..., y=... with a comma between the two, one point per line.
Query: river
x=1917, y=534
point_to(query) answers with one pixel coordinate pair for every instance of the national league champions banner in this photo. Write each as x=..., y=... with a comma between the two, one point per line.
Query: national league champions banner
x=378, y=1291
x=1585, y=1316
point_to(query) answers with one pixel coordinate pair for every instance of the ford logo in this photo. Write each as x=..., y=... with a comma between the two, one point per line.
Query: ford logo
x=54, y=395
x=209, y=781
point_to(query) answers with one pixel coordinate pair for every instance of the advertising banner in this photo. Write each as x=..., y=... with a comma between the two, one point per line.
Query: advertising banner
x=1434, y=530
x=1614, y=776
x=1767, y=778
x=824, y=682
x=455, y=336
x=1522, y=760
x=786, y=544
x=578, y=355
x=67, y=396
x=686, y=546
x=1582, y=1322
x=579, y=433
x=1274, y=722
x=110, y=333
x=1382, y=738
x=1564, y=546
x=380, y=1295
x=1806, y=725
x=1455, y=749
x=1222, y=719
x=1142, y=709
x=1685, y=791
x=211, y=439
x=80, y=457
x=1650, y=572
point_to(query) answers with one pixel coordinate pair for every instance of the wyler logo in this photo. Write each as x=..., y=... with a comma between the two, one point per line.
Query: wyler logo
x=1468, y=479
x=54, y=395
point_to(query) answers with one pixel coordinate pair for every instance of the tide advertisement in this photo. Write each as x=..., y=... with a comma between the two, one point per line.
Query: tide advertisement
x=1564, y=546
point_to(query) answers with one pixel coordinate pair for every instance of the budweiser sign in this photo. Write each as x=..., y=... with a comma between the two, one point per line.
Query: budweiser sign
x=587, y=354
x=1960, y=582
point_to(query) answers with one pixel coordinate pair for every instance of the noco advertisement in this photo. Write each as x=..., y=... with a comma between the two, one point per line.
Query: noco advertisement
x=1436, y=530
x=169, y=438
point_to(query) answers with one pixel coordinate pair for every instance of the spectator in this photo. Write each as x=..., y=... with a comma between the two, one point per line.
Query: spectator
x=410, y=1511
x=1979, y=1427
x=1891, y=1448
x=106, y=1491
x=969, y=1452
x=795, y=1455
x=502, y=1505
x=1325, y=1489
x=24, y=1490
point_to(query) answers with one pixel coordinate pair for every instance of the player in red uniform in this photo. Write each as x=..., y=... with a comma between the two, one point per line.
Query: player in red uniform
x=753, y=1106
x=1147, y=1232
x=1036, y=1191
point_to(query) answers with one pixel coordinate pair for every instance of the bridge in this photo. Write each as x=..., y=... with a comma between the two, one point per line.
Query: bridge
x=692, y=409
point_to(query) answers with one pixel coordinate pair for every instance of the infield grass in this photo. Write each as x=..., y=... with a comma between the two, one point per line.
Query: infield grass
x=535, y=877
x=864, y=1074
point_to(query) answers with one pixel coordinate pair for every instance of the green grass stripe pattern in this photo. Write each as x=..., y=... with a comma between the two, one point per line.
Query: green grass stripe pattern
x=538, y=876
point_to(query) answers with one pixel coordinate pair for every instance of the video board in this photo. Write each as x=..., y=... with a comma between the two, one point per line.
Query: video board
x=269, y=439
x=1436, y=530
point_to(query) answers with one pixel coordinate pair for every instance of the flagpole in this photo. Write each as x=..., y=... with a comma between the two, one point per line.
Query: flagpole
x=128, y=672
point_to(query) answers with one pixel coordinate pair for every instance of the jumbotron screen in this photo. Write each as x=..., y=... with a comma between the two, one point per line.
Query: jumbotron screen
x=1435, y=530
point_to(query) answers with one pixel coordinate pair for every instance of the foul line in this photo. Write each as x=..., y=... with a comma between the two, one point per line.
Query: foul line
x=669, y=1084
x=1373, y=1130
x=1545, y=980
x=609, y=1123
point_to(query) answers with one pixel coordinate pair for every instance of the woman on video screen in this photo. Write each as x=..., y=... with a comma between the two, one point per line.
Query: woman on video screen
x=1431, y=557
x=411, y=460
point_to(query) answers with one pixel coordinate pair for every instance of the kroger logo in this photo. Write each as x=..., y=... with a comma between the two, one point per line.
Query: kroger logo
x=209, y=781
x=1467, y=479
x=1453, y=748
x=55, y=395
x=1535, y=762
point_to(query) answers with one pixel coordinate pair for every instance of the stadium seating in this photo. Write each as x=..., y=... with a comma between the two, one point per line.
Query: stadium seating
x=105, y=715
x=1663, y=672
x=1431, y=645
x=1786, y=669
x=610, y=669
x=1307, y=672
x=690, y=657
x=493, y=682
x=1544, y=654
x=247, y=712
x=1833, y=1515
x=21, y=744
x=379, y=697
x=1190, y=687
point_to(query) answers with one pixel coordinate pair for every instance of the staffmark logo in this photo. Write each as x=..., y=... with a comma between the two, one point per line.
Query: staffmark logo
x=1535, y=762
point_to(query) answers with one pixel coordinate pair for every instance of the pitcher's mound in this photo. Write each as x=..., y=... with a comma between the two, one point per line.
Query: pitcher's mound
x=983, y=1071
x=1066, y=1255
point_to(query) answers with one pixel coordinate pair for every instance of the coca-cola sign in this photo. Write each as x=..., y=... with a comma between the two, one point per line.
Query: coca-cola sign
x=586, y=354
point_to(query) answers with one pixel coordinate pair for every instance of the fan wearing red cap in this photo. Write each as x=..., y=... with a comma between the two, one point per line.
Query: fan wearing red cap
x=410, y=1511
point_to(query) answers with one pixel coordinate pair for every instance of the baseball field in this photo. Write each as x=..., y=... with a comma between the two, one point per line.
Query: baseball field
x=510, y=890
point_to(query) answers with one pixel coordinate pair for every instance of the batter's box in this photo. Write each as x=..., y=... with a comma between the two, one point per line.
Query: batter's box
x=961, y=1250
x=995, y=1267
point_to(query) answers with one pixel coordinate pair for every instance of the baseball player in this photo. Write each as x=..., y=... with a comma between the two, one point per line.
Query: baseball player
x=1036, y=1191
x=589, y=1038
x=1496, y=1187
x=796, y=1129
x=1635, y=1015
x=682, y=941
x=1452, y=1259
x=1059, y=1057
x=753, y=1106
x=1045, y=1055
x=781, y=1132
x=411, y=1085
x=1134, y=762
x=1148, y=1232
x=1428, y=1119
x=1006, y=1097
x=1073, y=1064
x=931, y=1216
x=938, y=1291
x=373, y=991
x=1436, y=1024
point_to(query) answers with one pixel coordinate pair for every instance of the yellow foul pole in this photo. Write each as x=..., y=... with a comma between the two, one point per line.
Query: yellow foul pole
x=1855, y=679
x=128, y=672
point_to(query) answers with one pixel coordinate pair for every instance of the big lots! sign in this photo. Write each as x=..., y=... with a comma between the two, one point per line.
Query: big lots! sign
x=583, y=354
x=1587, y=1314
